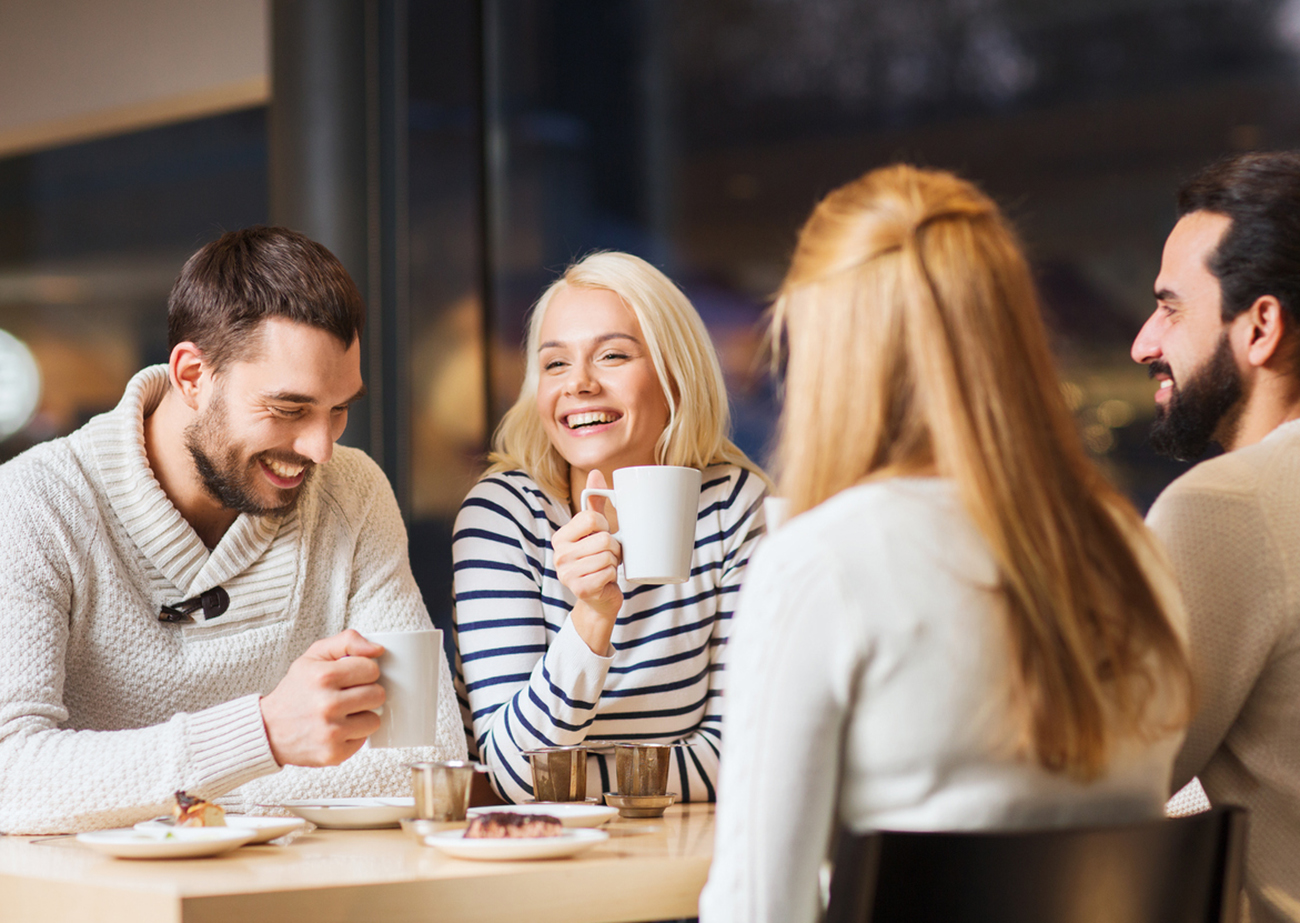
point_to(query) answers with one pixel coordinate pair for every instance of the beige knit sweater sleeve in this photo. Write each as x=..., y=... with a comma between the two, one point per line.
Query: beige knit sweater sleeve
x=383, y=597
x=1229, y=566
x=1232, y=527
x=103, y=714
x=54, y=778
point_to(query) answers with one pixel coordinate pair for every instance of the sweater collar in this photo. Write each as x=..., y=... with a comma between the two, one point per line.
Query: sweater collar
x=147, y=513
x=1283, y=430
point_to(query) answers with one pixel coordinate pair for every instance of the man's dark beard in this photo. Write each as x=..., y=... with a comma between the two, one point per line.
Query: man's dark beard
x=1185, y=426
x=228, y=482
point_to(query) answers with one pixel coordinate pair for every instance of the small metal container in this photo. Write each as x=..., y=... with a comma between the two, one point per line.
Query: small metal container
x=442, y=789
x=559, y=773
x=642, y=769
x=640, y=805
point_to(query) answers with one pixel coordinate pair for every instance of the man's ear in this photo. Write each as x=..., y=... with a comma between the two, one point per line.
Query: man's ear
x=1265, y=328
x=187, y=370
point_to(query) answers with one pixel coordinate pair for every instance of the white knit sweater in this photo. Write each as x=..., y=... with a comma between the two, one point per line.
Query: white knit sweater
x=867, y=686
x=104, y=710
x=1232, y=526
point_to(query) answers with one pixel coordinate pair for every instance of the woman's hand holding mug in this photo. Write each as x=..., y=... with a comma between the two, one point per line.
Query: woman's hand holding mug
x=586, y=561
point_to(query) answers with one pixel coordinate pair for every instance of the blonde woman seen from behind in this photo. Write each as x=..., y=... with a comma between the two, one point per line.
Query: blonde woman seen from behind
x=553, y=647
x=964, y=626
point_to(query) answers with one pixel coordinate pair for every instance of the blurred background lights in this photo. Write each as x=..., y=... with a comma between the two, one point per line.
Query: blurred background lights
x=1115, y=413
x=20, y=384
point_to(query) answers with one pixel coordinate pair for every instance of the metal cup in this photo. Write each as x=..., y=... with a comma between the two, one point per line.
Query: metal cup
x=642, y=768
x=442, y=789
x=559, y=773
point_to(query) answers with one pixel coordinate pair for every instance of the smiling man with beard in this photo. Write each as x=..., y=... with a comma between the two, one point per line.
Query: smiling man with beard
x=185, y=581
x=231, y=479
x=1199, y=411
x=1224, y=343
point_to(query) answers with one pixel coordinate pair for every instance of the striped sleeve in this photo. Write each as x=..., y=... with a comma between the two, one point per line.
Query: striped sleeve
x=526, y=678
x=734, y=525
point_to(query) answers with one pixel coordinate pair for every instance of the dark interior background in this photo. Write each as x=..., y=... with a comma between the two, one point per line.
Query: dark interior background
x=697, y=135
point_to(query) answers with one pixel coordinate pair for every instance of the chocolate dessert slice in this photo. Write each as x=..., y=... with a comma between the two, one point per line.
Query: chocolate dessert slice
x=499, y=824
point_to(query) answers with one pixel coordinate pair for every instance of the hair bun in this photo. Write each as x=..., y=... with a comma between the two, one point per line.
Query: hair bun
x=882, y=212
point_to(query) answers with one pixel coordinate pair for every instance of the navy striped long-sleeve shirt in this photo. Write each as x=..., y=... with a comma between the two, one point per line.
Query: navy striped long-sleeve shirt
x=526, y=679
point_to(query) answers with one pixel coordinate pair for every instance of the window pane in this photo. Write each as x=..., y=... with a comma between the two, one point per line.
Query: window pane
x=94, y=234
x=699, y=135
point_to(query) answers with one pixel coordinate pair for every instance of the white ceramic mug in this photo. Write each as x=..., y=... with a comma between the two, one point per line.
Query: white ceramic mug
x=408, y=671
x=657, y=507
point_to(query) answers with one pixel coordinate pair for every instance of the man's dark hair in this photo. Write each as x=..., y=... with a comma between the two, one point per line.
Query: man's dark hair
x=1260, y=252
x=244, y=277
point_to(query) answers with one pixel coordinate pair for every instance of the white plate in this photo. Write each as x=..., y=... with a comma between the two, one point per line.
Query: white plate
x=570, y=815
x=264, y=829
x=172, y=843
x=353, y=813
x=570, y=842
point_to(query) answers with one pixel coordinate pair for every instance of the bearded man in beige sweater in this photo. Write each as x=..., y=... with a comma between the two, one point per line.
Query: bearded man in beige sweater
x=185, y=580
x=1224, y=343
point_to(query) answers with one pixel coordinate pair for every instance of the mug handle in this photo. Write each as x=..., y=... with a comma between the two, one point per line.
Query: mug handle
x=584, y=505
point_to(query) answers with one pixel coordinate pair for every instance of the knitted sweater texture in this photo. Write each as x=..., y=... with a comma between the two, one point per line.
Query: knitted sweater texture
x=1232, y=526
x=868, y=686
x=104, y=710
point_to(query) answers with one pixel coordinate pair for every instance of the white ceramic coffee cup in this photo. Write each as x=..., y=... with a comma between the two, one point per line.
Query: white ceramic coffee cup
x=408, y=671
x=776, y=510
x=657, y=507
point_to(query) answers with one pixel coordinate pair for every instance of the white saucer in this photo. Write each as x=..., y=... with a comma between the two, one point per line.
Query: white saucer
x=169, y=843
x=640, y=805
x=264, y=829
x=353, y=813
x=570, y=842
x=575, y=814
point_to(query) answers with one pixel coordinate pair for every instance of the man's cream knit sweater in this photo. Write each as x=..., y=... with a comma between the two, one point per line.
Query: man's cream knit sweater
x=104, y=710
x=1232, y=527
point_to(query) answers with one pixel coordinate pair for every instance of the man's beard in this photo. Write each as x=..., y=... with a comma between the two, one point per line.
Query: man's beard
x=1198, y=407
x=226, y=475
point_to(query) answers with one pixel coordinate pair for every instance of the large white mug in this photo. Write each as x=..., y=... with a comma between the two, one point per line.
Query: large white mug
x=657, y=507
x=408, y=671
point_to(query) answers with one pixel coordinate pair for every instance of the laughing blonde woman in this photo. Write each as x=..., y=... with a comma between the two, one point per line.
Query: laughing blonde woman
x=553, y=647
x=963, y=626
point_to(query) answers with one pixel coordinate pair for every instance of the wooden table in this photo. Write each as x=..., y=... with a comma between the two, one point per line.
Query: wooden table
x=648, y=870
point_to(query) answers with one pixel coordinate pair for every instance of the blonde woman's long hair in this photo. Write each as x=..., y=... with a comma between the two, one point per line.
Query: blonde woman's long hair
x=699, y=417
x=916, y=347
